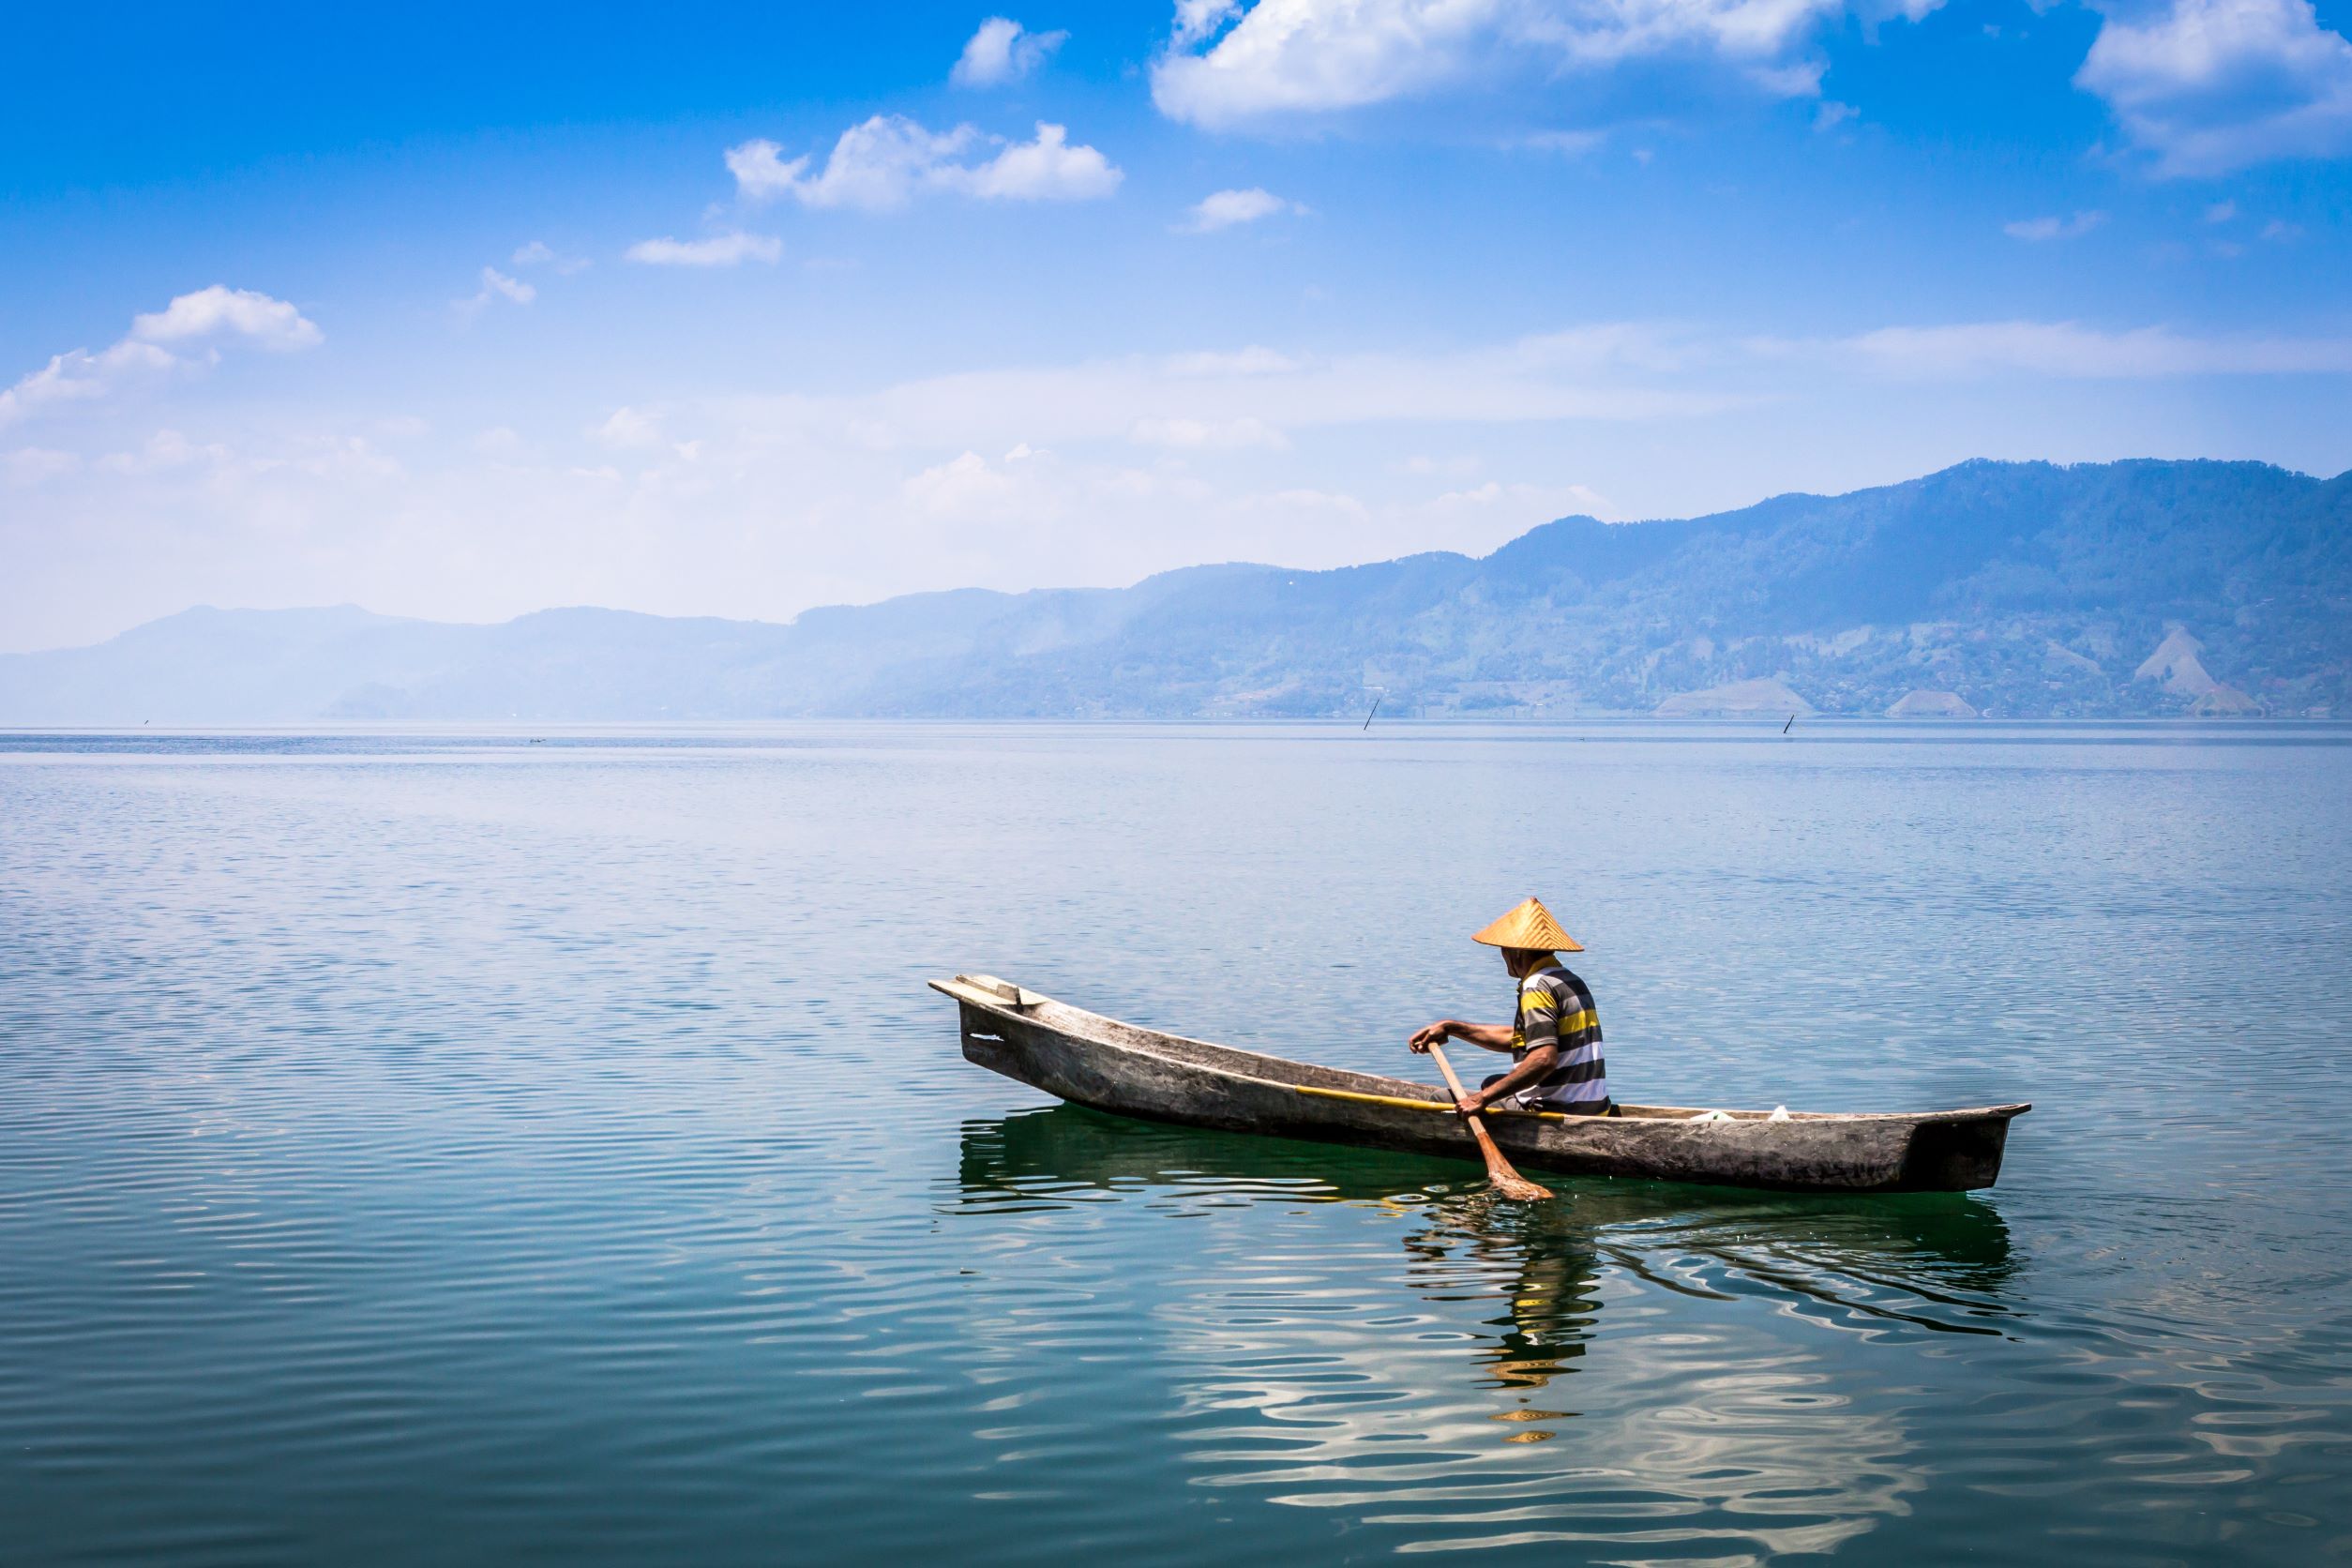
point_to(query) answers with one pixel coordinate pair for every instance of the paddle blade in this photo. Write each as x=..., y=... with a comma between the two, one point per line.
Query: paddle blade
x=1516, y=1188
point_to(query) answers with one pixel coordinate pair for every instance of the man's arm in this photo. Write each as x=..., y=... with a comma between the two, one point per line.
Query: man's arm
x=1494, y=1036
x=1539, y=1061
x=1539, y=1032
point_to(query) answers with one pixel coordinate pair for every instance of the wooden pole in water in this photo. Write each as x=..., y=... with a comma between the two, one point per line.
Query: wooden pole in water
x=1506, y=1181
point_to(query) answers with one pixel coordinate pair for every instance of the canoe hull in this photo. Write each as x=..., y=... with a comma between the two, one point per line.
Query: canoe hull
x=1111, y=1066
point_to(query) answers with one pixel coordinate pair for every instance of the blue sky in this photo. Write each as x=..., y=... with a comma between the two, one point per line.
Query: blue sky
x=738, y=311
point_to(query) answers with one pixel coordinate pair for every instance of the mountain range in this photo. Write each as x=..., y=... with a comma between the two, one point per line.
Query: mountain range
x=2017, y=589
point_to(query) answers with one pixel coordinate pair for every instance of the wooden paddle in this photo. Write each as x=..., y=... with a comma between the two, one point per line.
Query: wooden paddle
x=1499, y=1172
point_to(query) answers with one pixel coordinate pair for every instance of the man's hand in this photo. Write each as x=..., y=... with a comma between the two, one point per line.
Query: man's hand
x=1469, y=1105
x=1422, y=1039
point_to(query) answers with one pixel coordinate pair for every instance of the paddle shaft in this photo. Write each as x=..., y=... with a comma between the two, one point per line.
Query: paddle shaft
x=1506, y=1181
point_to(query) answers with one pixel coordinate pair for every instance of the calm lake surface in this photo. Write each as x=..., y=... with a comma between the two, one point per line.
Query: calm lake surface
x=450, y=1147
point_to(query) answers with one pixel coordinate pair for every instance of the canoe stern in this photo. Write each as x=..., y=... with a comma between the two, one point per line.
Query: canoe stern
x=1957, y=1154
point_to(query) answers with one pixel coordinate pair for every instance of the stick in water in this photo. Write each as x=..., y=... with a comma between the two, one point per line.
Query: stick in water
x=1506, y=1181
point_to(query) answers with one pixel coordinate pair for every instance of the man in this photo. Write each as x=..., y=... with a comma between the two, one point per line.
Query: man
x=1555, y=1044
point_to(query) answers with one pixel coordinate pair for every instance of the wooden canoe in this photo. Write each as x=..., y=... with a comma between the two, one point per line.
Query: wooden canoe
x=1093, y=1061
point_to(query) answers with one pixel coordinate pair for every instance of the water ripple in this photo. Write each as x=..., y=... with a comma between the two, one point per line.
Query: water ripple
x=412, y=1146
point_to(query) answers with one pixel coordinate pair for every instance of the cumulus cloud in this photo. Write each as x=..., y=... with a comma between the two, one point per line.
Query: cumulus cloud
x=1224, y=65
x=965, y=486
x=1224, y=210
x=1002, y=50
x=1047, y=168
x=239, y=315
x=885, y=162
x=2035, y=230
x=728, y=250
x=2209, y=86
x=877, y=165
x=496, y=285
x=255, y=318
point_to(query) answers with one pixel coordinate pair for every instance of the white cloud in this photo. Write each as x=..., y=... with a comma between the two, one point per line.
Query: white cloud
x=625, y=429
x=876, y=166
x=166, y=450
x=1233, y=400
x=1002, y=50
x=885, y=162
x=1227, y=65
x=1568, y=143
x=1460, y=466
x=2070, y=350
x=1048, y=169
x=1525, y=500
x=539, y=254
x=30, y=465
x=1302, y=498
x=1832, y=114
x=728, y=250
x=2036, y=230
x=1209, y=434
x=629, y=428
x=496, y=285
x=963, y=488
x=78, y=375
x=1223, y=210
x=2213, y=85
x=1290, y=56
x=258, y=319
x=1197, y=19
x=2221, y=212
x=1255, y=360
x=762, y=504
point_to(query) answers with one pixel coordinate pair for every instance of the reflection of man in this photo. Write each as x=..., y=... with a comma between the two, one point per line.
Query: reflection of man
x=1550, y=1303
x=1555, y=1040
x=1551, y=1317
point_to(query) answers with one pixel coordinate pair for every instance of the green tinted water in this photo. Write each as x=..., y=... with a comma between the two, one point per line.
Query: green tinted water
x=447, y=1147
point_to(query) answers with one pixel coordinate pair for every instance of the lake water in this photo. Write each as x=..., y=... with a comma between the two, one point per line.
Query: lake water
x=452, y=1148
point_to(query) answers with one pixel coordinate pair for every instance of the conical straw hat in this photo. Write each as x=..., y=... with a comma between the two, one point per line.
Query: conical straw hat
x=1531, y=927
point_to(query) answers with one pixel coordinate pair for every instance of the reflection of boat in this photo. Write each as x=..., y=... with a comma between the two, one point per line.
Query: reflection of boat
x=1922, y=1243
x=1094, y=1060
x=1335, y=1374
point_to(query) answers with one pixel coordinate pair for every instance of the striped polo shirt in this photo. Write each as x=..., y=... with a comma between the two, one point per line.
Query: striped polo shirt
x=1555, y=1009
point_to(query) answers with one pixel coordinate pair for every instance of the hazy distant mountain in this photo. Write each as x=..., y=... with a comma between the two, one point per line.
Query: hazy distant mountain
x=2007, y=589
